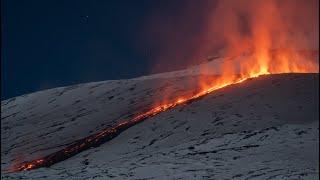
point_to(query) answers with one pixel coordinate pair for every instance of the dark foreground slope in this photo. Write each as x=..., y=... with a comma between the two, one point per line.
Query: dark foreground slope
x=263, y=128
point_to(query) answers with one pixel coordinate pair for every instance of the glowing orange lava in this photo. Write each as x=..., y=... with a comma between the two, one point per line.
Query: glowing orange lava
x=250, y=67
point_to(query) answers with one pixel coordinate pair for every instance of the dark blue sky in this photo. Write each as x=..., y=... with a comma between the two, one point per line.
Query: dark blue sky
x=51, y=43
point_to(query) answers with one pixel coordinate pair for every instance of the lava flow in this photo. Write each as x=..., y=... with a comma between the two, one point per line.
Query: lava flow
x=109, y=133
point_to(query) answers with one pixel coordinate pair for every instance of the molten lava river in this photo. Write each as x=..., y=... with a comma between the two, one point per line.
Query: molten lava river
x=232, y=72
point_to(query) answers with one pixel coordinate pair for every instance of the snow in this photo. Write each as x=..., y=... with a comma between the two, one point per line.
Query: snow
x=262, y=128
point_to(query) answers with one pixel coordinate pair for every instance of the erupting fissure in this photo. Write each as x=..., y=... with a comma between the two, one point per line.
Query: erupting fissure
x=250, y=68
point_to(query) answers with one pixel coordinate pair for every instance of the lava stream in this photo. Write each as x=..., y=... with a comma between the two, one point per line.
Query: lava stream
x=109, y=133
x=250, y=68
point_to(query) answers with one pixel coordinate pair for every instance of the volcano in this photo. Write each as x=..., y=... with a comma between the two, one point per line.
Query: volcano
x=263, y=127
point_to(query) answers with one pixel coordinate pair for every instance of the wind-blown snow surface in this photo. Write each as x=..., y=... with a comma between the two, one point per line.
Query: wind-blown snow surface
x=264, y=128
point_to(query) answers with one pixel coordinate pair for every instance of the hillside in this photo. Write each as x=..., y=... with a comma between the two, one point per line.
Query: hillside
x=266, y=127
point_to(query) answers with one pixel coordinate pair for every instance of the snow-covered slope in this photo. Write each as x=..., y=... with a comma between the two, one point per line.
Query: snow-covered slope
x=262, y=128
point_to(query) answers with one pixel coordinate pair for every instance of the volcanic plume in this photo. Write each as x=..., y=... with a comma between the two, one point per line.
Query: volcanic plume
x=199, y=29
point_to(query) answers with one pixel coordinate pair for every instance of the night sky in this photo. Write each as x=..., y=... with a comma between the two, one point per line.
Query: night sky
x=53, y=43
